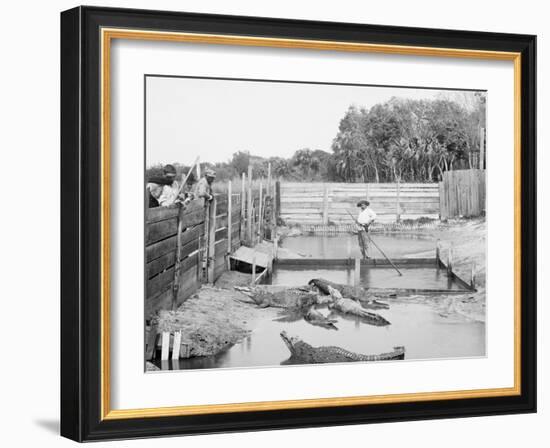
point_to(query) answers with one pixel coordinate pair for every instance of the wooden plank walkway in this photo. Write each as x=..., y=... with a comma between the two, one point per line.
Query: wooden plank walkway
x=381, y=263
x=371, y=262
x=246, y=255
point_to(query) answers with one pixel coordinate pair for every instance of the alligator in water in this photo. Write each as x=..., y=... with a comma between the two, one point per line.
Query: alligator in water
x=349, y=306
x=302, y=352
x=350, y=292
x=288, y=298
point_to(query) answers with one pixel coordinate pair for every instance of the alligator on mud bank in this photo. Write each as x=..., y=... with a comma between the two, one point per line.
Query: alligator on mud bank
x=302, y=352
x=356, y=293
x=295, y=298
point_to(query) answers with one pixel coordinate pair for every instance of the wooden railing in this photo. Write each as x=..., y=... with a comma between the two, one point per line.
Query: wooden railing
x=329, y=203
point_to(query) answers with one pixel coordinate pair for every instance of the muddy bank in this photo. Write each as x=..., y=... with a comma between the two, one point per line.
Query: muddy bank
x=213, y=319
x=468, y=239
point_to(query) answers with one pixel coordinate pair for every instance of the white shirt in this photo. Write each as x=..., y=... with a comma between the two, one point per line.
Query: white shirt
x=169, y=194
x=366, y=216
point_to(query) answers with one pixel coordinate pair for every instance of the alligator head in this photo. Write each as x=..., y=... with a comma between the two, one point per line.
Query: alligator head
x=289, y=340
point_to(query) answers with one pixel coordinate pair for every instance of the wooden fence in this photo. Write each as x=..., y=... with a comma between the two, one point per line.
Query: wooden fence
x=186, y=248
x=328, y=203
x=462, y=193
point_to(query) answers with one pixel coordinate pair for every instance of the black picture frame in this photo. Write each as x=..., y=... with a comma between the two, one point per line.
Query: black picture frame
x=81, y=279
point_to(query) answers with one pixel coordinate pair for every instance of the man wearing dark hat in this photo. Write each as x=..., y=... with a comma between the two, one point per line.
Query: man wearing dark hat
x=364, y=220
x=204, y=186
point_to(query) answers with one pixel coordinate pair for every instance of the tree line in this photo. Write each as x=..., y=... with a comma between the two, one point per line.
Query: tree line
x=402, y=140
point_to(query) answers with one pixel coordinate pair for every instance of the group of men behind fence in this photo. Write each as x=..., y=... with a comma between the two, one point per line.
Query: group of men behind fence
x=165, y=190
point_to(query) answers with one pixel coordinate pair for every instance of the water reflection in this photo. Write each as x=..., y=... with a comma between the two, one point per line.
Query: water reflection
x=345, y=245
x=423, y=331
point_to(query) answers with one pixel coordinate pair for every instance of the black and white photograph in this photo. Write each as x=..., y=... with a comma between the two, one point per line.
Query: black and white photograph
x=294, y=223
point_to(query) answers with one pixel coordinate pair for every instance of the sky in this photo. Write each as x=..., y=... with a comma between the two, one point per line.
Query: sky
x=186, y=118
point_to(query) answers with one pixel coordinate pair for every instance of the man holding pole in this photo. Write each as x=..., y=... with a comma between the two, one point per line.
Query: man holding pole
x=365, y=218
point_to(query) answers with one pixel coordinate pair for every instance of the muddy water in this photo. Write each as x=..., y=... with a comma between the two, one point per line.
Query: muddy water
x=346, y=245
x=427, y=335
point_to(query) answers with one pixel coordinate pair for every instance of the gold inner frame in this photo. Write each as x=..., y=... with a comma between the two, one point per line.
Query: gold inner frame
x=107, y=35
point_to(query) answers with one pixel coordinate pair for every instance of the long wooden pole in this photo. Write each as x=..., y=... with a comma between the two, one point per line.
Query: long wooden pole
x=376, y=245
x=184, y=181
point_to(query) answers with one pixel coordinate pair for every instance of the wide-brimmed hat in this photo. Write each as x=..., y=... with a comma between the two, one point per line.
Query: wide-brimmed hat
x=210, y=173
x=363, y=202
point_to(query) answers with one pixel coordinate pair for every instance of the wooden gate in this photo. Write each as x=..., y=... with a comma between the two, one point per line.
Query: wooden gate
x=462, y=193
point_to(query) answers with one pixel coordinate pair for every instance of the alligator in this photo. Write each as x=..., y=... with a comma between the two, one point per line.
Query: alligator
x=302, y=352
x=356, y=293
x=288, y=298
x=314, y=317
x=349, y=306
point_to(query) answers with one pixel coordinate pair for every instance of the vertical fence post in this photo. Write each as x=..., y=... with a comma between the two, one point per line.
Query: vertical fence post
x=175, y=286
x=243, y=204
x=441, y=201
x=152, y=339
x=177, y=346
x=481, y=148
x=437, y=253
x=204, y=253
x=397, y=205
x=212, y=242
x=229, y=221
x=275, y=246
x=268, y=188
x=277, y=202
x=450, y=261
x=357, y=272
x=260, y=213
x=325, y=204
x=253, y=280
x=165, y=348
x=473, y=277
x=249, y=208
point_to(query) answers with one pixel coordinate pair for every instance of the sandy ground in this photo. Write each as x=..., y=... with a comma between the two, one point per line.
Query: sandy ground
x=468, y=239
x=214, y=318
